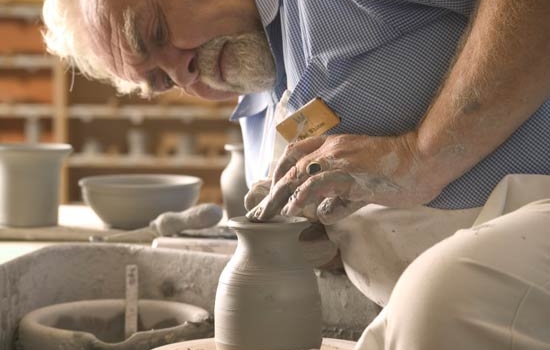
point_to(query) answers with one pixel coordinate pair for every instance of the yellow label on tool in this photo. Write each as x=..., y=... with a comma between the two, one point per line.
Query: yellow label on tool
x=315, y=118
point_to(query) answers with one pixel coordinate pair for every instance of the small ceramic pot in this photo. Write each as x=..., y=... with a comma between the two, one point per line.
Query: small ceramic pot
x=267, y=296
x=29, y=183
x=233, y=182
x=99, y=325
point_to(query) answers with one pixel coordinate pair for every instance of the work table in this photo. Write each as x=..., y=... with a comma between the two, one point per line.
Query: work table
x=76, y=224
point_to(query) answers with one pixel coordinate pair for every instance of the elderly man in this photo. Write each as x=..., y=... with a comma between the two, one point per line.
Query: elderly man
x=440, y=155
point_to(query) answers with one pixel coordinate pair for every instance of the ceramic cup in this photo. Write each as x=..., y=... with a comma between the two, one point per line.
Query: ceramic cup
x=29, y=183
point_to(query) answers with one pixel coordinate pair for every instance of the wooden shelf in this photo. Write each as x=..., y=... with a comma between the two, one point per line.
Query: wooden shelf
x=123, y=161
x=136, y=112
x=28, y=62
x=13, y=9
x=140, y=112
x=26, y=110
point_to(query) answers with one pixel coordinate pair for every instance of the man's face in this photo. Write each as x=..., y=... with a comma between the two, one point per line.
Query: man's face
x=215, y=49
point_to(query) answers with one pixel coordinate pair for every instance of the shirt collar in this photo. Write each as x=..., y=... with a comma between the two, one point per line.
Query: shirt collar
x=251, y=104
x=268, y=10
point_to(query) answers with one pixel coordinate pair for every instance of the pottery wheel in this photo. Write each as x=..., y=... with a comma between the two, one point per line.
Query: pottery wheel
x=208, y=344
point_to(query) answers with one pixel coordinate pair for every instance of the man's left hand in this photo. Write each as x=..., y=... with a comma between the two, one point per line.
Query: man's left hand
x=326, y=178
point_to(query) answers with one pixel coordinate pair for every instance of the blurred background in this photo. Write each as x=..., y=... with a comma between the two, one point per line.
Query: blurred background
x=41, y=101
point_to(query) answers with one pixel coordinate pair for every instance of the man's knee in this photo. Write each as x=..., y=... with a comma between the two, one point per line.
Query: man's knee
x=464, y=292
x=425, y=307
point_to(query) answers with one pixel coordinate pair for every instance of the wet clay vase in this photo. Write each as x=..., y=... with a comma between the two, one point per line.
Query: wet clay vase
x=233, y=182
x=267, y=296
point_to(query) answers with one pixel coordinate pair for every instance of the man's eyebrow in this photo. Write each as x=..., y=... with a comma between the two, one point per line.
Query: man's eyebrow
x=131, y=33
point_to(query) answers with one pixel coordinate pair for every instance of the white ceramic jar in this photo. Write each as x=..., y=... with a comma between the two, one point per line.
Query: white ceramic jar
x=29, y=183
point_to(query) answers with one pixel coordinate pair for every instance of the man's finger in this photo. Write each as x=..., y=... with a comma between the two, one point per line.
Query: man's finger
x=257, y=193
x=333, y=209
x=305, y=199
x=278, y=196
x=294, y=152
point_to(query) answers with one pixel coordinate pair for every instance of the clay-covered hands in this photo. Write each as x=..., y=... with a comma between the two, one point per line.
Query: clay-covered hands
x=257, y=193
x=345, y=173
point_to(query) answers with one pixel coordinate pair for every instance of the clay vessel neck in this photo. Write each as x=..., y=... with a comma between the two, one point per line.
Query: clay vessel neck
x=275, y=246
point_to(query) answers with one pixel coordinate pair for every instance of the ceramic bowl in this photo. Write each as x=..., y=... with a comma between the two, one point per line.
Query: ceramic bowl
x=132, y=201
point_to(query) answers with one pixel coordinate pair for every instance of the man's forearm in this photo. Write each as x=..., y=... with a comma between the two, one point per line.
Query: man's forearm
x=500, y=77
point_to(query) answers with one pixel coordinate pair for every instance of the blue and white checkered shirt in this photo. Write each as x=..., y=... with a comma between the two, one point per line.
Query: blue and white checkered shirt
x=377, y=64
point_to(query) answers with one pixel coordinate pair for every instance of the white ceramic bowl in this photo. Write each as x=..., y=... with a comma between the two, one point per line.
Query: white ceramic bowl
x=132, y=201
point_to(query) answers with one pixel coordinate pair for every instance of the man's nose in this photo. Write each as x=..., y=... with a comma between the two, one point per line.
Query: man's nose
x=180, y=65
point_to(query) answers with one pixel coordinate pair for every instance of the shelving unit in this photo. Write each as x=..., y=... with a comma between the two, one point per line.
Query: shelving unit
x=27, y=76
x=109, y=133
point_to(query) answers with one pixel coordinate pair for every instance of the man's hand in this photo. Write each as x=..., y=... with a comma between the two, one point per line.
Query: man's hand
x=326, y=178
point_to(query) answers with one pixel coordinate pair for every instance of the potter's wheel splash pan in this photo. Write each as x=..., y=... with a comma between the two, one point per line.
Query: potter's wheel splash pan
x=99, y=325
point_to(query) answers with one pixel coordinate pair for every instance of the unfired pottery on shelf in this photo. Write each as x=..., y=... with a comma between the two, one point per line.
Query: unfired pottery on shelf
x=233, y=182
x=131, y=201
x=29, y=183
x=267, y=296
x=99, y=325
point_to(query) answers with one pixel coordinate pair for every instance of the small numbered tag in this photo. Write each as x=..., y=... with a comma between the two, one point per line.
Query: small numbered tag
x=315, y=118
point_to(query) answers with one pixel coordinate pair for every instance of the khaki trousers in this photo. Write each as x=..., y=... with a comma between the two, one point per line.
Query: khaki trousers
x=476, y=279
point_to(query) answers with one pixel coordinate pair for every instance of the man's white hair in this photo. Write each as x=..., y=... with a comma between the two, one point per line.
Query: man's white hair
x=66, y=37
